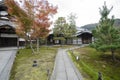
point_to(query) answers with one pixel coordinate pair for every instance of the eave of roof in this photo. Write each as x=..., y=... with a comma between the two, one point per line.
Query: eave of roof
x=6, y=22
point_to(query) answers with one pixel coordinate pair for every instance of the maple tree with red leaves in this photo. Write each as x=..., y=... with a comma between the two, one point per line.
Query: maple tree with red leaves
x=32, y=17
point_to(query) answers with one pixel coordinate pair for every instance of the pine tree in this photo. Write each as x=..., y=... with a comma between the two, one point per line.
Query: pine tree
x=72, y=25
x=106, y=35
x=59, y=28
x=64, y=28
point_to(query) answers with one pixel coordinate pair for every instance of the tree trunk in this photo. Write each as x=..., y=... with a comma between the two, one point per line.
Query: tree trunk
x=113, y=55
x=33, y=51
x=37, y=45
x=18, y=43
x=66, y=41
x=46, y=42
x=26, y=42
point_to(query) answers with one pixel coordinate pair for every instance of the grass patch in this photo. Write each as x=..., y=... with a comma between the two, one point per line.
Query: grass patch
x=23, y=70
x=91, y=62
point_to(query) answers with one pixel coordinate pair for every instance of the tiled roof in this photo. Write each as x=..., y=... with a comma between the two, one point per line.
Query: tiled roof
x=3, y=22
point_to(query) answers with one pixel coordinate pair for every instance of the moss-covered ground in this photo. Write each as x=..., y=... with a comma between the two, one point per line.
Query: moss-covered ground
x=91, y=62
x=23, y=65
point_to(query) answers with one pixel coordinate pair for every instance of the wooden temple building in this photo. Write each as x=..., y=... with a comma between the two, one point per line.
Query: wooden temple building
x=83, y=36
x=8, y=36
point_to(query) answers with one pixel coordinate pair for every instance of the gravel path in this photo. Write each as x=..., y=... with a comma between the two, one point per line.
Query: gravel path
x=64, y=68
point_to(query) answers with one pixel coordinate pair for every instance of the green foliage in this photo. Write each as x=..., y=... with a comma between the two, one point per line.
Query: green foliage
x=61, y=26
x=59, y=38
x=106, y=35
x=72, y=25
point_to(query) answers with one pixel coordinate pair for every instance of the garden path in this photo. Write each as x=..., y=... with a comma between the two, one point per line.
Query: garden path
x=64, y=68
x=7, y=56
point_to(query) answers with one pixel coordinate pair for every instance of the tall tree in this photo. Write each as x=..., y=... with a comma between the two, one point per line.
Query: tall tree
x=32, y=17
x=71, y=30
x=106, y=35
x=59, y=27
x=64, y=28
x=21, y=19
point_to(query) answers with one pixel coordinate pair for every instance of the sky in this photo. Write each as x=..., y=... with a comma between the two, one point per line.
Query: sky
x=87, y=11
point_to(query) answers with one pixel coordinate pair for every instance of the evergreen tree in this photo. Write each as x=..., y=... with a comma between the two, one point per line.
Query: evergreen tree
x=59, y=25
x=59, y=28
x=72, y=26
x=106, y=35
x=65, y=29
